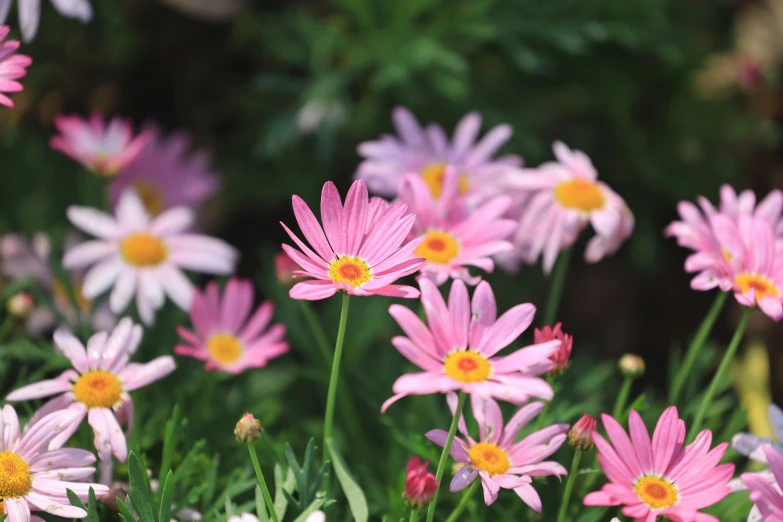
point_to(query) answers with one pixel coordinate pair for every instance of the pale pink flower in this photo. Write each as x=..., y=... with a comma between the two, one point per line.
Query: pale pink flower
x=103, y=148
x=458, y=347
x=226, y=336
x=496, y=458
x=753, y=447
x=97, y=387
x=767, y=497
x=660, y=478
x=137, y=254
x=359, y=249
x=166, y=174
x=30, y=13
x=455, y=238
x=35, y=472
x=427, y=152
x=12, y=66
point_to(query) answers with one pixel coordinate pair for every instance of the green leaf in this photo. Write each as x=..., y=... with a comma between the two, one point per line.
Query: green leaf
x=261, y=511
x=283, y=486
x=75, y=501
x=169, y=443
x=353, y=492
x=92, y=507
x=165, y=498
x=125, y=512
x=314, y=506
x=139, y=490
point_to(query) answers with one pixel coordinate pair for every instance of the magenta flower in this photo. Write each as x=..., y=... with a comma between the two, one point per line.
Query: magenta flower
x=359, y=249
x=766, y=496
x=103, y=148
x=454, y=238
x=660, y=477
x=561, y=359
x=12, y=66
x=165, y=174
x=427, y=152
x=97, y=387
x=226, y=336
x=420, y=483
x=30, y=13
x=457, y=349
x=496, y=458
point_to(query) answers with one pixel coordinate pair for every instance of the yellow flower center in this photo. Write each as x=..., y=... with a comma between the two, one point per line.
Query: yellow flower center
x=98, y=389
x=757, y=282
x=440, y=247
x=351, y=270
x=434, y=174
x=61, y=294
x=143, y=249
x=489, y=458
x=224, y=349
x=656, y=492
x=15, y=478
x=151, y=196
x=580, y=194
x=467, y=367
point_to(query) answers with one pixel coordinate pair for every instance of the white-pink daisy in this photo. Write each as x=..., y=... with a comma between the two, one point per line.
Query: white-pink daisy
x=29, y=12
x=12, y=66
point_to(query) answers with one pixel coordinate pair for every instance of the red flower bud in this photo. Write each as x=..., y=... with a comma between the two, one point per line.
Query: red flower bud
x=420, y=484
x=560, y=359
x=581, y=434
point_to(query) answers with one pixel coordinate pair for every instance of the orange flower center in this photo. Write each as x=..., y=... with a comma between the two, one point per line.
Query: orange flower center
x=434, y=174
x=467, y=367
x=143, y=250
x=656, y=492
x=151, y=196
x=761, y=285
x=98, y=389
x=440, y=247
x=580, y=194
x=224, y=349
x=489, y=458
x=15, y=478
x=352, y=270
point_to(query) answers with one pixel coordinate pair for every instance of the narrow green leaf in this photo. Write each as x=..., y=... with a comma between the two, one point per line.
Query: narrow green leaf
x=92, y=507
x=139, y=490
x=281, y=486
x=165, y=498
x=261, y=511
x=125, y=511
x=353, y=492
x=169, y=443
x=314, y=505
x=75, y=501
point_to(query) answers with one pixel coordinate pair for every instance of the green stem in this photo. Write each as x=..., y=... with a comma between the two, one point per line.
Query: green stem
x=463, y=502
x=721, y=373
x=622, y=398
x=414, y=515
x=444, y=455
x=261, y=482
x=569, y=486
x=695, y=347
x=318, y=331
x=335, y=377
x=556, y=289
x=544, y=413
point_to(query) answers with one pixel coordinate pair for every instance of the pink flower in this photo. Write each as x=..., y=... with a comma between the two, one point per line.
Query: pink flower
x=582, y=433
x=35, y=472
x=361, y=252
x=136, y=254
x=226, y=336
x=12, y=66
x=30, y=13
x=766, y=496
x=166, y=175
x=102, y=148
x=458, y=349
x=754, y=448
x=97, y=387
x=285, y=269
x=496, y=458
x=454, y=238
x=427, y=151
x=566, y=197
x=420, y=484
x=560, y=359
x=660, y=478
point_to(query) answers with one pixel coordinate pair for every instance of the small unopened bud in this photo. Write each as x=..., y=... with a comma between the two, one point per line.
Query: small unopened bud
x=581, y=433
x=248, y=430
x=631, y=365
x=420, y=484
x=20, y=305
x=284, y=269
x=560, y=359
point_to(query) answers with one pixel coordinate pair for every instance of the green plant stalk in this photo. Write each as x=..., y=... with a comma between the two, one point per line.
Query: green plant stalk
x=318, y=332
x=569, y=485
x=463, y=503
x=414, y=515
x=270, y=504
x=444, y=455
x=544, y=413
x=722, y=369
x=335, y=376
x=622, y=397
x=695, y=347
x=556, y=289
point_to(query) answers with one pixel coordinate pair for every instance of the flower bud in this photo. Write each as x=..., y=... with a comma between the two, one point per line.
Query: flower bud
x=581, y=433
x=420, y=484
x=560, y=359
x=248, y=430
x=20, y=305
x=284, y=269
x=631, y=365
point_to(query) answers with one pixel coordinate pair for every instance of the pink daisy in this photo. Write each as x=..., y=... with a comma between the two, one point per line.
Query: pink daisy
x=144, y=256
x=455, y=240
x=226, y=336
x=660, y=477
x=457, y=349
x=359, y=249
x=12, y=66
x=97, y=387
x=30, y=13
x=103, y=148
x=427, y=151
x=35, y=473
x=766, y=496
x=166, y=175
x=496, y=458
x=566, y=196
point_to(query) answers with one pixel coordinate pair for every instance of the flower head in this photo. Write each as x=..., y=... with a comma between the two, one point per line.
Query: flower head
x=754, y=447
x=561, y=358
x=458, y=347
x=767, y=496
x=226, y=335
x=359, y=249
x=496, y=458
x=98, y=386
x=420, y=484
x=20, y=305
x=136, y=254
x=248, y=429
x=659, y=477
x=582, y=433
x=12, y=66
x=631, y=365
x=103, y=148
x=30, y=13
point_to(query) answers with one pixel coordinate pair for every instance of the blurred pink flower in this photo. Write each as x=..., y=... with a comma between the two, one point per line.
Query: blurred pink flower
x=767, y=496
x=136, y=254
x=284, y=269
x=226, y=335
x=359, y=249
x=561, y=358
x=165, y=174
x=660, y=478
x=457, y=348
x=12, y=66
x=103, y=148
x=30, y=13
x=496, y=458
x=427, y=152
x=420, y=483
x=97, y=387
